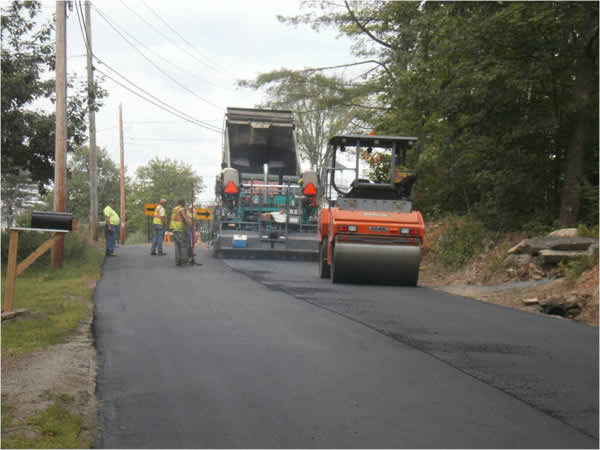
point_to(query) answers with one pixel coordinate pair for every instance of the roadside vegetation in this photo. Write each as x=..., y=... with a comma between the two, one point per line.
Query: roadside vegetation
x=57, y=303
x=58, y=427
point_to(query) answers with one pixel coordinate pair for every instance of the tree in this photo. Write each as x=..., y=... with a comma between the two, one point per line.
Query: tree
x=503, y=96
x=28, y=134
x=171, y=179
x=320, y=106
x=19, y=194
x=78, y=193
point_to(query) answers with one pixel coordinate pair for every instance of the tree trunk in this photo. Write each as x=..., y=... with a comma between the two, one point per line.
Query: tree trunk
x=584, y=93
x=571, y=191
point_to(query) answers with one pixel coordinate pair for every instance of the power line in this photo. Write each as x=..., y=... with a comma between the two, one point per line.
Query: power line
x=116, y=28
x=160, y=56
x=171, y=109
x=135, y=139
x=214, y=67
x=183, y=39
x=193, y=121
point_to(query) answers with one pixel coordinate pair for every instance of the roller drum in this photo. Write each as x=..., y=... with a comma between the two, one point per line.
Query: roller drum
x=381, y=264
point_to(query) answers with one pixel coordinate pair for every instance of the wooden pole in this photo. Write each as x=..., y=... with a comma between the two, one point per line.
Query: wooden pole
x=61, y=123
x=92, y=123
x=11, y=271
x=122, y=175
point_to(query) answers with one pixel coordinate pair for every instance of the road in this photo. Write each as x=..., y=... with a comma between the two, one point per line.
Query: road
x=264, y=354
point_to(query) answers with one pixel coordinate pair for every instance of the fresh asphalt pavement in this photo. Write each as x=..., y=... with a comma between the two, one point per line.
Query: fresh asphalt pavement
x=264, y=354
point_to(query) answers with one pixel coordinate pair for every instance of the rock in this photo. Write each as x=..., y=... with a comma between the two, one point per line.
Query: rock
x=593, y=250
x=516, y=260
x=549, y=301
x=517, y=249
x=571, y=300
x=557, y=256
x=534, y=246
x=531, y=301
x=572, y=244
x=535, y=270
x=565, y=244
x=573, y=311
x=564, y=232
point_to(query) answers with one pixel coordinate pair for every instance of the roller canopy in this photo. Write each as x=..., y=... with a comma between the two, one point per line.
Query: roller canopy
x=373, y=141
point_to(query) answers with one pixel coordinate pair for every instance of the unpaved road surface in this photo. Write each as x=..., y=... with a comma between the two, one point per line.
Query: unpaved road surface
x=265, y=354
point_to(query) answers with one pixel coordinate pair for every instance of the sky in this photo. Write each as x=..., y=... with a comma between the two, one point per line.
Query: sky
x=188, y=54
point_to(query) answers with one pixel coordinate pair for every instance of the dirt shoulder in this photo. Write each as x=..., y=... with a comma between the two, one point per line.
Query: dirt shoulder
x=30, y=385
x=523, y=289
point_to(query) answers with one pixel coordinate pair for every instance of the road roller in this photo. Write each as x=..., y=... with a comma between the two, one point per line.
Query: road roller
x=369, y=232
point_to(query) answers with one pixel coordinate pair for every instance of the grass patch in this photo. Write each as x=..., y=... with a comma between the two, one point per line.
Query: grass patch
x=139, y=237
x=574, y=268
x=56, y=300
x=459, y=241
x=55, y=427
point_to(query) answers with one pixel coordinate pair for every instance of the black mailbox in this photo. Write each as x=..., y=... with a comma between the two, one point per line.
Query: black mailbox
x=51, y=220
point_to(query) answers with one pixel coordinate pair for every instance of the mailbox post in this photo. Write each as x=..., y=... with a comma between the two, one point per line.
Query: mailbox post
x=57, y=223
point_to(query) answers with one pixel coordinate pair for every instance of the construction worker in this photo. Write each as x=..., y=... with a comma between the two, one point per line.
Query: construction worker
x=110, y=229
x=179, y=220
x=190, y=232
x=160, y=225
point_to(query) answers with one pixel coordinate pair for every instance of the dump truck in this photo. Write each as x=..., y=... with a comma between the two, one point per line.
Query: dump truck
x=266, y=205
x=369, y=232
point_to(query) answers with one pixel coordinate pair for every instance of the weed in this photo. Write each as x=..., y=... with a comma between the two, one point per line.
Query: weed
x=55, y=427
x=588, y=231
x=459, y=241
x=575, y=267
x=139, y=237
x=57, y=300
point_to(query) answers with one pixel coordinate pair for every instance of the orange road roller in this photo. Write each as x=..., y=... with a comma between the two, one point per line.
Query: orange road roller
x=369, y=233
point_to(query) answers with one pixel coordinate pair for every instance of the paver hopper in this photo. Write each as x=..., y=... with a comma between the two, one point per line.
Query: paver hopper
x=266, y=207
x=370, y=233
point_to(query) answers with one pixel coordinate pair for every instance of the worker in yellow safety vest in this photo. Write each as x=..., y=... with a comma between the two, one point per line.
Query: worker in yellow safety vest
x=160, y=226
x=179, y=219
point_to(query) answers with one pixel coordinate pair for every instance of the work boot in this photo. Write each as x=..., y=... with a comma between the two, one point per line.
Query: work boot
x=153, y=253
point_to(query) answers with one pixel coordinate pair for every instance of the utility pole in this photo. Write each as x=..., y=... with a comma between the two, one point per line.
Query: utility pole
x=122, y=175
x=92, y=123
x=60, y=151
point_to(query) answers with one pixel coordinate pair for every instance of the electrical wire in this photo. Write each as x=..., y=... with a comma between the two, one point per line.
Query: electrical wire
x=224, y=70
x=204, y=80
x=214, y=65
x=116, y=28
x=168, y=108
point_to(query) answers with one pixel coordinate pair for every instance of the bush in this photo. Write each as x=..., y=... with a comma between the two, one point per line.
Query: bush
x=29, y=241
x=139, y=237
x=538, y=228
x=460, y=240
x=76, y=246
x=575, y=267
x=588, y=231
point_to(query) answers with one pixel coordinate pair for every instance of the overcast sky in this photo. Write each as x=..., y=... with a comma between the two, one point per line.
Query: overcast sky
x=188, y=54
